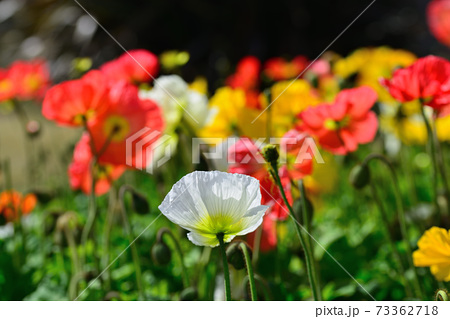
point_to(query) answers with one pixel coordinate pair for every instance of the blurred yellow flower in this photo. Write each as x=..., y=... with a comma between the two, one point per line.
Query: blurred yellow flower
x=434, y=252
x=199, y=85
x=290, y=98
x=324, y=177
x=443, y=128
x=229, y=115
x=371, y=64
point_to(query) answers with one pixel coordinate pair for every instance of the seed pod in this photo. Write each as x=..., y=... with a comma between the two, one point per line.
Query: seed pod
x=140, y=203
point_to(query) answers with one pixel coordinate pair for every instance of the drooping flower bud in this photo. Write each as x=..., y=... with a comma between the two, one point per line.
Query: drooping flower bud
x=140, y=203
x=360, y=176
x=235, y=256
x=161, y=253
x=298, y=210
x=189, y=294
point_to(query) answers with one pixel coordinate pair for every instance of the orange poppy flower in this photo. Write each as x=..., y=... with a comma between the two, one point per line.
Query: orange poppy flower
x=13, y=204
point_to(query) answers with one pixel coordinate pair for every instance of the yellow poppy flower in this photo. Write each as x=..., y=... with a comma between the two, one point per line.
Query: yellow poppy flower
x=229, y=115
x=371, y=64
x=289, y=99
x=434, y=252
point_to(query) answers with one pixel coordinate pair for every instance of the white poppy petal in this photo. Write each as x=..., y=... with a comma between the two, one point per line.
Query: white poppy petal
x=253, y=219
x=209, y=203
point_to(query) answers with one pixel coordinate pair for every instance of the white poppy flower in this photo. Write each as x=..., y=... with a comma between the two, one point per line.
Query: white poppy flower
x=212, y=203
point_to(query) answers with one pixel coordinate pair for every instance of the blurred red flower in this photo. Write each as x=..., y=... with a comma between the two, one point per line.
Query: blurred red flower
x=6, y=86
x=80, y=170
x=14, y=204
x=246, y=78
x=30, y=79
x=427, y=79
x=340, y=127
x=136, y=66
x=74, y=102
x=278, y=69
x=438, y=14
x=125, y=116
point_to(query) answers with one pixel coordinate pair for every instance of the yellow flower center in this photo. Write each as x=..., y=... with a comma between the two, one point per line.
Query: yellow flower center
x=5, y=85
x=80, y=119
x=116, y=128
x=32, y=82
x=330, y=124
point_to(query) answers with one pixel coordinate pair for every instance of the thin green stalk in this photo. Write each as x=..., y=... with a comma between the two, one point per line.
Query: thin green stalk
x=401, y=217
x=308, y=256
x=23, y=119
x=432, y=153
x=184, y=273
x=107, y=236
x=134, y=252
x=307, y=225
x=257, y=243
x=441, y=164
x=92, y=212
x=395, y=252
x=251, y=277
x=226, y=271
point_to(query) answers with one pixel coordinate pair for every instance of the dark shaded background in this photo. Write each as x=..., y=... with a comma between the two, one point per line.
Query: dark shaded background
x=216, y=33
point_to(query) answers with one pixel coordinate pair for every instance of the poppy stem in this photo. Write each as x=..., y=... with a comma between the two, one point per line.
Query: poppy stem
x=184, y=273
x=226, y=271
x=308, y=255
x=134, y=252
x=251, y=277
x=432, y=153
x=401, y=217
x=395, y=252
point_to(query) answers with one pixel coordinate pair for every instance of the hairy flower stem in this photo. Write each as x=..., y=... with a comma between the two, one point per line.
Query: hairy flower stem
x=134, y=252
x=401, y=217
x=226, y=271
x=251, y=277
x=184, y=274
x=432, y=153
x=308, y=255
x=395, y=252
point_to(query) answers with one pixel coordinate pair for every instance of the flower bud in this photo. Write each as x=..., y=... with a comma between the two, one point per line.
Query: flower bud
x=298, y=210
x=112, y=296
x=140, y=203
x=33, y=128
x=161, y=253
x=360, y=176
x=235, y=256
x=189, y=294
x=270, y=154
x=441, y=295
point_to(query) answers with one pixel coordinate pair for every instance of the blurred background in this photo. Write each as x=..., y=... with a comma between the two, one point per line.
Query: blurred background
x=216, y=34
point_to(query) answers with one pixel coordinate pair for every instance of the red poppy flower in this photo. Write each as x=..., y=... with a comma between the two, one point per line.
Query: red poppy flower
x=438, y=14
x=268, y=235
x=125, y=117
x=80, y=170
x=427, y=79
x=246, y=78
x=278, y=69
x=13, y=204
x=31, y=79
x=6, y=86
x=136, y=66
x=340, y=127
x=73, y=102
